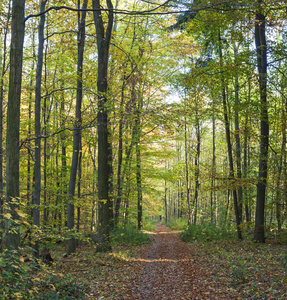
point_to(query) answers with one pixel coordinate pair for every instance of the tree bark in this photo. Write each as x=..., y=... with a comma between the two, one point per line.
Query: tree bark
x=229, y=146
x=261, y=48
x=3, y=71
x=77, y=127
x=138, y=165
x=13, y=119
x=237, y=141
x=212, y=193
x=105, y=204
x=37, y=165
x=120, y=159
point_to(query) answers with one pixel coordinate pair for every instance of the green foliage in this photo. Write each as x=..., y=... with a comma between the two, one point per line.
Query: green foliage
x=279, y=236
x=129, y=236
x=177, y=223
x=150, y=224
x=15, y=280
x=62, y=288
x=206, y=232
x=24, y=278
x=238, y=275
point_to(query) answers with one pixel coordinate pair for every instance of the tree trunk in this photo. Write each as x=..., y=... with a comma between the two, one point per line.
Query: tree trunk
x=93, y=157
x=64, y=189
x=13, y=119
x=212, y=193
x=138, y=166
x=187, y=170
x=196, y=165
x=105, y=205
x=77, y=127
x=37, y=165
x=245, y=170
x=3, y=71
x=237, y=141
x=279, y=194
x=229, y=146
x=120, y=159
x=261, y=48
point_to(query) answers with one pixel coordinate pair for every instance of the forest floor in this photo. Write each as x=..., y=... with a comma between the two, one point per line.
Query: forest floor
x=169, y=269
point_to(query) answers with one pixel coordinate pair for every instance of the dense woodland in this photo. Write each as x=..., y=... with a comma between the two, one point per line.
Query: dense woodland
x=117, y=114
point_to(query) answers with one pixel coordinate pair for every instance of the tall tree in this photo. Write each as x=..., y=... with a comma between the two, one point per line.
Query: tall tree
x=37, y=165
x=261, y=49
x=228, y=141
x=105, y=171
x=13, y=118
x=77, y=127
x=3, y=62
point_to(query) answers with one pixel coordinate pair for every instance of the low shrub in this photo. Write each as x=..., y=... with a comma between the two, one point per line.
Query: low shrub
x=129, y=236
x=177, y=223
x=206, y=232
x=150, y=224
x=22, y=279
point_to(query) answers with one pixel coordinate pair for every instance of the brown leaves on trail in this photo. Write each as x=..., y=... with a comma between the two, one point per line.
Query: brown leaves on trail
x=169, y=269
x=170, y=272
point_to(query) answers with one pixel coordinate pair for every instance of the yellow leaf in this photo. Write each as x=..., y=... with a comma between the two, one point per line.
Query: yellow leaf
x=7, y=216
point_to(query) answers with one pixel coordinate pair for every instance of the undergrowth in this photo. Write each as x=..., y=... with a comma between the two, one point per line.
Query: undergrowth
x=206, y=232
x=24, y=278
x=129, y=236
x=176, y=223
x=255, y=271
x=150, y=224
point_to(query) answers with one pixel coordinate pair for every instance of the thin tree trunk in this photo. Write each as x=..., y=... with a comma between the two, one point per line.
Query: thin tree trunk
x=278, y=198
x=93, y=157
x=229, y=146
x=79, y=187
x=237, y=141
x=77, y=127
x=63, y=163
x=138, y=166
x=212, y=193
x=187, y=170
x=261, y=48
x=120, y=159
x=37, y=165
x=245, y=169
x=196, y=165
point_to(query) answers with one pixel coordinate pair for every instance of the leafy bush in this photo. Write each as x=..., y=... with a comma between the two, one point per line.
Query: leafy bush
x=177, y=223
x=279, y=236
x=20, y=279
x=150, y=224
x=206, y=232
x=15, y=278
x=61, y=288
x=129, y=236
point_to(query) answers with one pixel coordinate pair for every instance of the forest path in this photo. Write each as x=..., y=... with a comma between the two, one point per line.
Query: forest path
x=169, y=270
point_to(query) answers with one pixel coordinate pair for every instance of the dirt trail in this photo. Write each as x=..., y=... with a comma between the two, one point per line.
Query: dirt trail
x=169, y=270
